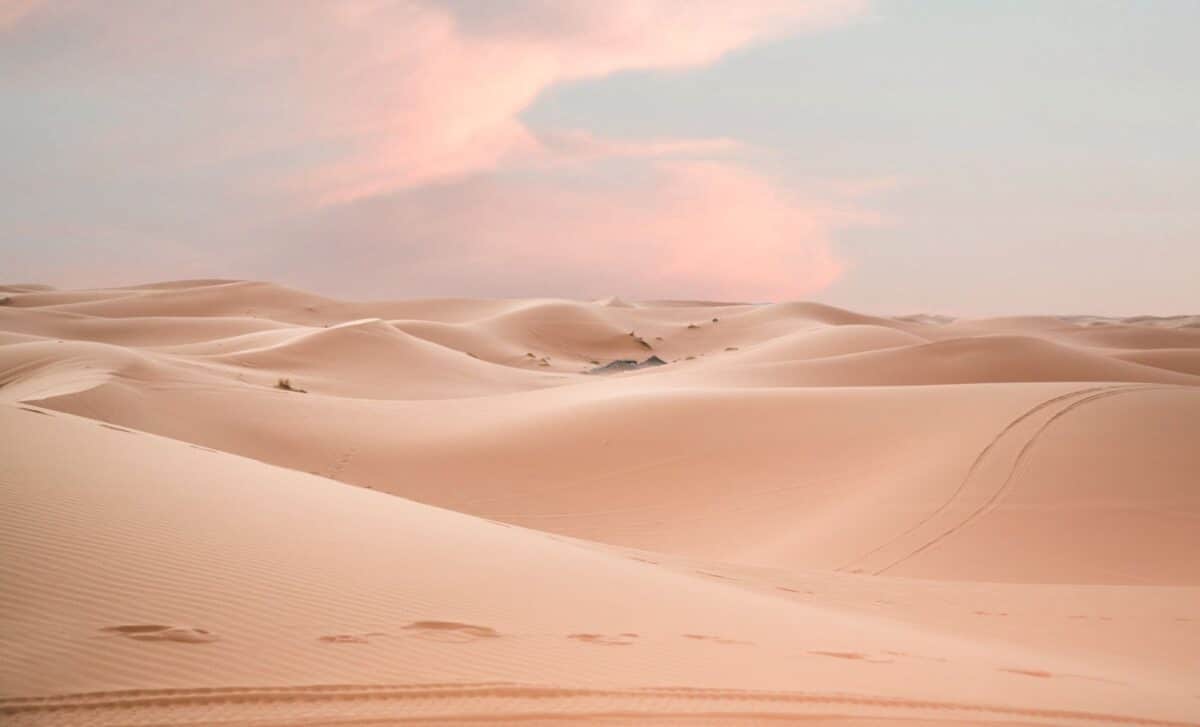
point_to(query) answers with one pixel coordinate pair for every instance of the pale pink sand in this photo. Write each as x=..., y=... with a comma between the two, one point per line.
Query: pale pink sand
x=809, y=514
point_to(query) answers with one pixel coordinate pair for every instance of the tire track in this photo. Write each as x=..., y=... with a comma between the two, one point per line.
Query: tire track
x=1101, y=393
x=281, y=696
x=975, y=464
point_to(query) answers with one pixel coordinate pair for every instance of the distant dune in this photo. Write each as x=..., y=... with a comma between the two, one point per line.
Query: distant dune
x=230, y=502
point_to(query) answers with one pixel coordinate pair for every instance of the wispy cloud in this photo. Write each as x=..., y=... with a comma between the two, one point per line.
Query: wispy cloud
x=680, y=228
x=280, y=111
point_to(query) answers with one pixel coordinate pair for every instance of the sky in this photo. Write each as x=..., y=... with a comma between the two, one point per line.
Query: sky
x=966, y=157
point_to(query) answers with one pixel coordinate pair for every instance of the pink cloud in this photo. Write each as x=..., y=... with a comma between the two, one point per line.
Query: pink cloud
x=378, y=95
x=670, y=229
x=13, y=12
x=361, y=97
x=578, y=145
x=395, y=124
x=417, y=94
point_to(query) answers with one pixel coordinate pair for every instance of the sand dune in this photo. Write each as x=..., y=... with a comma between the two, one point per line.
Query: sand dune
x=1183, y=360
x=373, y=360
x=144, y=331
x=808, y=514
x=192, y=604
x=827, y=341
x=985, y=359
x=1127, y=336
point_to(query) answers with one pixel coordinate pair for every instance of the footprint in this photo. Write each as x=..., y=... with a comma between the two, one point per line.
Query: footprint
x=715, y=639
x=852, y=655
x=840, y=654
x=343, y=639
x=451, y=631
x=1039, y=673
x=161, y=632
x=349, y=638
x=710, y=574
x=136, y=628
x=625, y=639
x=643, y=560
x=35, y=411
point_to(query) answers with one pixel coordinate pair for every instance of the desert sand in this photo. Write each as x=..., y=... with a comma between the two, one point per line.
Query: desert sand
x=807, y=514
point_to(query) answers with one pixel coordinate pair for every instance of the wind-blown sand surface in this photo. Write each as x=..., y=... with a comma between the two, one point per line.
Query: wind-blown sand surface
x=808, y=514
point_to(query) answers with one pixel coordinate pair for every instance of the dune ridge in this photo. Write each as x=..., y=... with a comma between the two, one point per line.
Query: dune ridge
x=806, y=514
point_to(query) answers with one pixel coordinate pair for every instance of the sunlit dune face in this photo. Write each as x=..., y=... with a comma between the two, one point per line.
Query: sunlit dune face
x=245, y=503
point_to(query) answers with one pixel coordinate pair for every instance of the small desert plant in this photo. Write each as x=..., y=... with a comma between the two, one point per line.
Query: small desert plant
x=286, y=385
x=5, y=300
x=693, y=325
x=716, y=319
x=641, y=341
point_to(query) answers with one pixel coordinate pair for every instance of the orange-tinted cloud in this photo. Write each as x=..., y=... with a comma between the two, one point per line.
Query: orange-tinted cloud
x=423, y=92
x=360, y=97
x=682, y=229
x=13, y=12
x=392, y=128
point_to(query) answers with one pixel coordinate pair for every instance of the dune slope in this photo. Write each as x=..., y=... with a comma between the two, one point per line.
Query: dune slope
x=807, y=514
x=199, y=596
